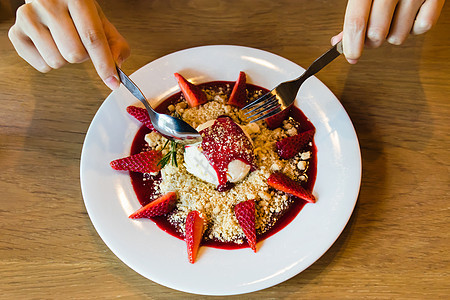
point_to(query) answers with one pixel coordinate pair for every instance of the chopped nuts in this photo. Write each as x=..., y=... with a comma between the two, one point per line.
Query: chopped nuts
x=264, y=195
x=305, y=155
x=291, y=132
x=301, y=165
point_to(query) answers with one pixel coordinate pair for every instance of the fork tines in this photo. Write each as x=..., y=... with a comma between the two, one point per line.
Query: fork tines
x=263, y=107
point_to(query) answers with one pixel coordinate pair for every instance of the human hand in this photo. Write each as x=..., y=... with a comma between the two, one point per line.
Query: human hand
x=48, y=34
x=371, y=22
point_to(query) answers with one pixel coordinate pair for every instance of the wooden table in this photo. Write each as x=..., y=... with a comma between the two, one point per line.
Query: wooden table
x=396, y=244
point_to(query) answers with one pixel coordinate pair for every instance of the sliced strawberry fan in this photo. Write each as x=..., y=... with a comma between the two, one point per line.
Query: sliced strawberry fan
x=246, y=217
x=194, y=233
x=144, y=162
x=285, y=184
x=158, y=207
x=192, y=93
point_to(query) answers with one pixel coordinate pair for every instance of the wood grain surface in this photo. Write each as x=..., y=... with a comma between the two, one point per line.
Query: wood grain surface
x=396, y=244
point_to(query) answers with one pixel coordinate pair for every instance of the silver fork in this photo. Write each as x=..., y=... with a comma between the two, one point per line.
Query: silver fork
x=282, y=96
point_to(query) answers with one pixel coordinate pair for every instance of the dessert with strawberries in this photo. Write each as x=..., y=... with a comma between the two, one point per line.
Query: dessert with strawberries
x=240, y=184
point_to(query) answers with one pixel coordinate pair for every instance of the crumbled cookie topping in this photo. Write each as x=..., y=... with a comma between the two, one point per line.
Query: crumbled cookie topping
x=218, y=207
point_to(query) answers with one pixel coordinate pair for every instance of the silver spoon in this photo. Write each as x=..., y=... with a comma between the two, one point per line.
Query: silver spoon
x=170, y=127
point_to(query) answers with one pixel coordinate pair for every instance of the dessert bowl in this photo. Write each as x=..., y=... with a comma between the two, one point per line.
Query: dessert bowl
x=109, y=196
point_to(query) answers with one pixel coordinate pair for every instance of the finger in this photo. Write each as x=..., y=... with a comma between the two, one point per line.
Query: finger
x=90, y=28
x=379, y=22
x=356, y=16
x=26, y=49
x=119, y=46
x=403, y=21
x=335, y=39
x=428, y=15
x=40, y=36
x=66, y=37
x=117, y=43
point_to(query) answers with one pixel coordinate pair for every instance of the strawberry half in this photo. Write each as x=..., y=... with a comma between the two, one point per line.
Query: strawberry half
x=141, y=114
x=159, y=207
x=291, y=146
x=194, y=233
x=238, y=95
x=193, y=94
x=285, y=184
x=276, y=121
x=144, y=162
x=245, y=214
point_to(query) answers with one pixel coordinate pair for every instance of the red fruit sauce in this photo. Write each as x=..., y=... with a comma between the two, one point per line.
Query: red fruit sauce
x=145, y=185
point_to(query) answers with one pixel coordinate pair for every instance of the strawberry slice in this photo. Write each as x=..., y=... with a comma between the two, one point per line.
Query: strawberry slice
x=276, y=121
x=194, y=233
x=291, y=146
x=193, y=94
x=144, y=162
x=141, y=114
x=245, y=214
x=285, y=184
x=159, y=207
x=238, y=95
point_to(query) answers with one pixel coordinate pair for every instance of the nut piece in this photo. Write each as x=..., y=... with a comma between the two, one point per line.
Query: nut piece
x=301, y=165
x=305, y=155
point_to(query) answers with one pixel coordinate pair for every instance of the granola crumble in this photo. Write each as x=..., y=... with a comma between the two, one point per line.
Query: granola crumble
x=217, y=207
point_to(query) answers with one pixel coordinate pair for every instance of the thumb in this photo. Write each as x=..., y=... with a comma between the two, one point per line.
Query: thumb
x=335, y=39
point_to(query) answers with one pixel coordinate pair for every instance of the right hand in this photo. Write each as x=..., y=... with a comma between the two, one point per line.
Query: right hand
x=51, y=33
x=371, y=22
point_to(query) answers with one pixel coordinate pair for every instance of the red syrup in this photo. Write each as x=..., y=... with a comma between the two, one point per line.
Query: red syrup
x=224, y=142
x=145, y=185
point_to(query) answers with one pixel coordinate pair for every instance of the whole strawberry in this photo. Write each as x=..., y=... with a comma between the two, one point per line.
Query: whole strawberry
x=285, y=184
x=144, y=162
x=159, y=207
x=291, y=146
x=246, y=215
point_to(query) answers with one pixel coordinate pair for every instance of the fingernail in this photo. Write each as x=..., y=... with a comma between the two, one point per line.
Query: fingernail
x=112, y=82
x=352, y=61
x=334, y=40
x=394, y=40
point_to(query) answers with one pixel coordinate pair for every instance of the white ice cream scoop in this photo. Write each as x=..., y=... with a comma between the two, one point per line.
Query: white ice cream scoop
x=198, y=165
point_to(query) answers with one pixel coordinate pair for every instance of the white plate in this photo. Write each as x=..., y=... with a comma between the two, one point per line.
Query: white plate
x=109, y=196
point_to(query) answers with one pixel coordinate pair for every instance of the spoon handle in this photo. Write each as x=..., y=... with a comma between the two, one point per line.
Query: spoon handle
x=132, y=87
x=170, y=127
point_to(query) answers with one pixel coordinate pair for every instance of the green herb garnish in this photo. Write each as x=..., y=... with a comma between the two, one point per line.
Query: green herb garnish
x=170, y=156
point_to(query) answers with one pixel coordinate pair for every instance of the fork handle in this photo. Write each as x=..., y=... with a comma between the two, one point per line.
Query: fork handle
x=322, y=61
